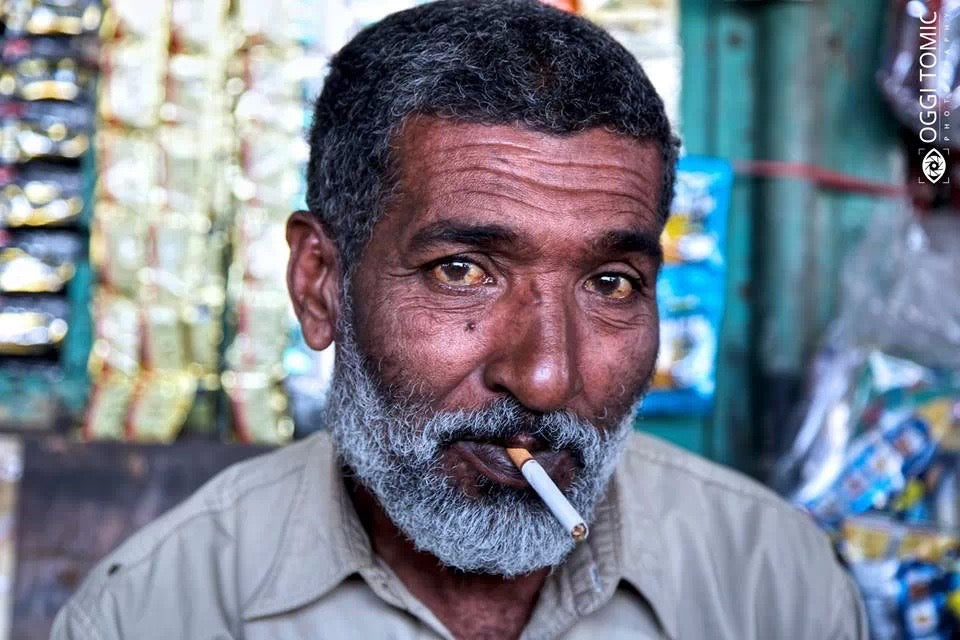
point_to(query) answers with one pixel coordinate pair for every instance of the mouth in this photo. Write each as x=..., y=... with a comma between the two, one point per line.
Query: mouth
x=489, y=459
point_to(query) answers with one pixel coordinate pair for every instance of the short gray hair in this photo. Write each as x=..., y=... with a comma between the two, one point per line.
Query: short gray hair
x=485, y=61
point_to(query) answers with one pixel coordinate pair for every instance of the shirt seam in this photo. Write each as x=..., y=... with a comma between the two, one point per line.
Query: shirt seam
x=274, y=561
x=85, y=621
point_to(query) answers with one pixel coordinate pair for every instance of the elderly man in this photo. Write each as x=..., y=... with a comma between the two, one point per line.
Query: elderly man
x=487, y=187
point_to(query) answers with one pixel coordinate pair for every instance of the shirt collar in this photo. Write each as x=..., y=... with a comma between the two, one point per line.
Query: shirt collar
x=643, y=552
x=323, y=543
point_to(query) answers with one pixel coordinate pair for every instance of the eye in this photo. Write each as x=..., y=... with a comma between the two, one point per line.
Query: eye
x=614, y=286
x=459, y=273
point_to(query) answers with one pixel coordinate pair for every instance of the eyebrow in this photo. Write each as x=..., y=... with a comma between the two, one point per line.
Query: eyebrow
x=482, y=236
x=629, y=241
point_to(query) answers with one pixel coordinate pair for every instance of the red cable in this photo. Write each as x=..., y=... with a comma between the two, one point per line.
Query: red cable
x=818, y=175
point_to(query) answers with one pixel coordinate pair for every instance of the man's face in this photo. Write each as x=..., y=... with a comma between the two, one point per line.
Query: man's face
x=506, y=298
x=515, y=263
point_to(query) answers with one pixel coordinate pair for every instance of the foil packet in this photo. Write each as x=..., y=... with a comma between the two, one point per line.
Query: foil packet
x=52, y=17
x=118, y=246
x=48, y=69
x=38, y=261
x=40, y=195
x=32, y=325
x=43, y=130
x=132, y=83
x=109, y=405
x=259, y=408
x=130, y=167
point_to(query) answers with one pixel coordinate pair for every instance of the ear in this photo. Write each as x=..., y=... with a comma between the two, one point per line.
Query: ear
x=313, y=278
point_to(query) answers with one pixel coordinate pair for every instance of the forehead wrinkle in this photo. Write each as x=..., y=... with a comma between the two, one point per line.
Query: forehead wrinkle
x=505, y=177
x=496, y=163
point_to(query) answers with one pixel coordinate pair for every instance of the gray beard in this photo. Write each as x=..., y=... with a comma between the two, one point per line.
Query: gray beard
x=394, y=446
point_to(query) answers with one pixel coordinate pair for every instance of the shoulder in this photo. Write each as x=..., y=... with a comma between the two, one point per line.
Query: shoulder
x=722, y=529
x=717, y=499
x=211, y=551
x=696, y=480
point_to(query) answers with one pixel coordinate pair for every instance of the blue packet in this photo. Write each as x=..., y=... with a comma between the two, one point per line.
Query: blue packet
x=690, y=289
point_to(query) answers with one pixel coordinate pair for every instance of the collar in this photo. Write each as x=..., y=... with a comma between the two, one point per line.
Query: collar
x=323, y=543
x=643, y=552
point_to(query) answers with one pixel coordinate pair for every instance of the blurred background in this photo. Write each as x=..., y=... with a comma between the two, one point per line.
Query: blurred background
x=150, y=153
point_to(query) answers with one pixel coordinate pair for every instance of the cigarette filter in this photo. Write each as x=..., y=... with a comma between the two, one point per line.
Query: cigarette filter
x=548, y=491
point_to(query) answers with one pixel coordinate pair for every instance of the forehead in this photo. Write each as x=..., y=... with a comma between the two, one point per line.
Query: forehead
x=455, y=168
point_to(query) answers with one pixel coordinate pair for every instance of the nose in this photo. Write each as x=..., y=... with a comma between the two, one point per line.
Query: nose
x=535, y=355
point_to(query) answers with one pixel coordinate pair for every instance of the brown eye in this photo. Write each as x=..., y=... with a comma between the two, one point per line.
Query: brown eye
x=459, y=273
x=610, y=285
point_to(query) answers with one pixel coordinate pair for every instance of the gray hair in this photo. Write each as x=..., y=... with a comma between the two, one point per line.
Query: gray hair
x=393, y=447
x=484, y=61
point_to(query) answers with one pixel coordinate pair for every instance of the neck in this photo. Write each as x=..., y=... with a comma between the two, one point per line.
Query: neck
x=470, y=605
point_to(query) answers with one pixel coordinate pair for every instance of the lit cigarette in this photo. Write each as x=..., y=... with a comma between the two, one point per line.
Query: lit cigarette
x=558, y=504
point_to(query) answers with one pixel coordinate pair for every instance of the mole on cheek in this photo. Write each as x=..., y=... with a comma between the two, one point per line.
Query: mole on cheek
x=471, y=326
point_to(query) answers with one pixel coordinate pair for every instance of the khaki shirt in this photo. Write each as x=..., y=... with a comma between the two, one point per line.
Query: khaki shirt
x=272, y=549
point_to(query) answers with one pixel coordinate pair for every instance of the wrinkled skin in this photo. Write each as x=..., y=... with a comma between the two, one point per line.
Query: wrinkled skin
x=509, y=262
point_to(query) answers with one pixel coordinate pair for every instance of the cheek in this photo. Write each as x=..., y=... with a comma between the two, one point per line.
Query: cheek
x=422, y=347
x=619, y=366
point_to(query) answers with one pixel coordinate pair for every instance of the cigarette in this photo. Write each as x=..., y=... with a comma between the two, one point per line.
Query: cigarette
x=558, y=504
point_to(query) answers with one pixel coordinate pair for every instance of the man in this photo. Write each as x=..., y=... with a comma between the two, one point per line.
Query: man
x=487, y=187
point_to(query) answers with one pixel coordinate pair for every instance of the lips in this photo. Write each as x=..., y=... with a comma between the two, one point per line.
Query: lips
x=489, y=459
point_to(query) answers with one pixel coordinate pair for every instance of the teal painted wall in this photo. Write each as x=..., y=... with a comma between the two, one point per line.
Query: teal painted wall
x=787, y=81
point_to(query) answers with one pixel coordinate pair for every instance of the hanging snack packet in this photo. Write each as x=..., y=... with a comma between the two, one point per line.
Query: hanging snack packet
x=40, y=195
x=52, y=17
x=37, y=261
x=47, y=69
x=32, y=325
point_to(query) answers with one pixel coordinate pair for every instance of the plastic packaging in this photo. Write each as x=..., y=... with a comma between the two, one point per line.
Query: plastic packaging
x=690, y=289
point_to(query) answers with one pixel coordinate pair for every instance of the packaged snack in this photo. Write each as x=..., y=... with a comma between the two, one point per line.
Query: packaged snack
x=37, y=261
x=275, y=23
x=117, y=327
x=45, y=129
x=163, y=346
x=203, y=321
x=690, y=289
x=195, y=92
x=199, y=25
x=190, y=162
x=259, y=408
x=52, y=17
x=47, y=69
x=270, y=161
x=696, y=228
x=260, y=246
x=131, y=85
x=137, y=20
x=691, y=308
x=263, y=321
x=907, y=574
x=40, y=195
x=118, y=246
x=177, y=255
x=160, y=405
x=882, y=460
x=109, y=404
x=32, y=325
x=130, y=169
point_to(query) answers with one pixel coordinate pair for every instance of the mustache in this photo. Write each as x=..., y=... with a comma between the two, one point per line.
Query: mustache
x=506, y=418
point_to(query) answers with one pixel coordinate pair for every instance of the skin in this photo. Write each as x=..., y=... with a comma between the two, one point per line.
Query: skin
x=509, y=262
